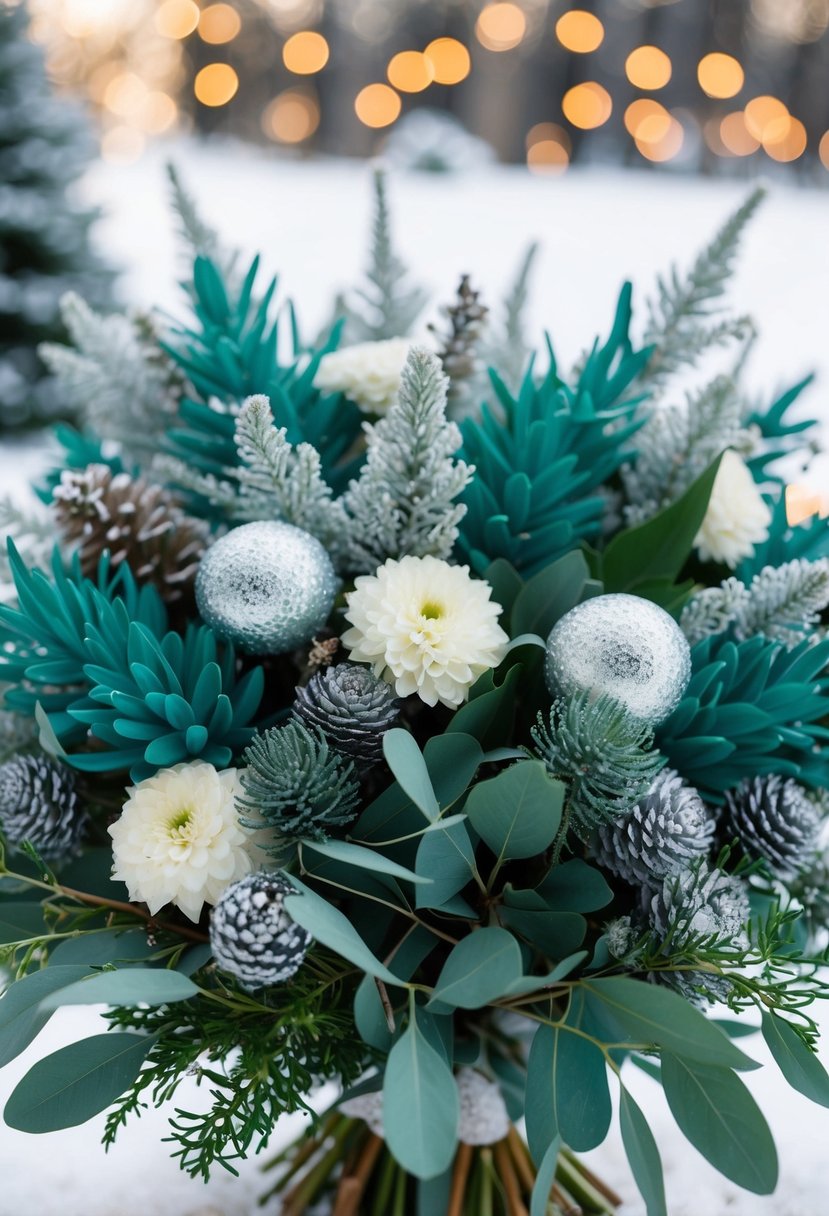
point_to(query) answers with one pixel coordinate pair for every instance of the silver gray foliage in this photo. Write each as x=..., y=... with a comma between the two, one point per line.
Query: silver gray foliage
x=782, y=602
x=404, y=501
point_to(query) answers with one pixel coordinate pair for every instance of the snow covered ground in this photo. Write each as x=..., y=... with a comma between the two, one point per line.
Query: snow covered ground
x=310, y=221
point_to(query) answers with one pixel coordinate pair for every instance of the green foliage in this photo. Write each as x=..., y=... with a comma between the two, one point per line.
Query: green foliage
x=685, y=318
x=517, y=813
x=295, y=785
x=80, y=448
x=781, y=434
x=231, y=352
x=200, y=239
x=508, y=350
x=782, y=602
x=808, y=541
x=482, y=967
x=538, y=469
x=567, y=1090
x=642, y=1154
x=258, y=1057
x=404, y=501
x=388, y=305
x=795, y=1058
x=601, y=753
x=751, y=708
x=75, y=1082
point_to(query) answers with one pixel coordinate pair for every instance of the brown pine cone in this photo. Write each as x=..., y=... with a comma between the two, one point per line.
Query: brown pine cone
x=138, y=522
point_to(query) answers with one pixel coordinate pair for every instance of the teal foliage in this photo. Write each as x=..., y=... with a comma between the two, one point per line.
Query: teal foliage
x=231, y=352
x=42, y=650
x=809, y=541
x=158, y=701
x=534, y=496
x=99, y=661
x=780, y=433
x=751, y=708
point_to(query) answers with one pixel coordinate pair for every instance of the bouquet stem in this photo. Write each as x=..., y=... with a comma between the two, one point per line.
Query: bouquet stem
x=344, y=1166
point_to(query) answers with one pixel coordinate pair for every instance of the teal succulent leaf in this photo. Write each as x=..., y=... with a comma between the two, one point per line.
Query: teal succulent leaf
x=42, y=639
x=230, y=352
x=809, y=541
x=535, y=494
x=781, y=433
x=159, y=701
x=80, y=448
x=751, y=708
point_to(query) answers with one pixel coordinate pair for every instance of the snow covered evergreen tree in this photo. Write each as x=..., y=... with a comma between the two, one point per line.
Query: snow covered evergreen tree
x=44, y=236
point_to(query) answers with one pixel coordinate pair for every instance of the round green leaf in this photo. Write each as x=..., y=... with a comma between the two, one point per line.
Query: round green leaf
x=567, y=1091
x=517, y=813
x=406, y=761
x=479, y=969
x=420, y=1105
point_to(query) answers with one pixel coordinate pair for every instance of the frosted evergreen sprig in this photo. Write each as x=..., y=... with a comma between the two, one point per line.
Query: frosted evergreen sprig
x=296, y=785
x=32, y=533
x=278, y=481
x=388, y=305
x=115, y=376
x=680, y=323
x=507, y=348
x=678, y=443
x=603, y=754
x=403, y=502
x=202, y=240
x=782, y=602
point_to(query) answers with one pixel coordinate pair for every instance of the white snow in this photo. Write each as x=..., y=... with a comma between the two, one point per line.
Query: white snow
x=310, y=222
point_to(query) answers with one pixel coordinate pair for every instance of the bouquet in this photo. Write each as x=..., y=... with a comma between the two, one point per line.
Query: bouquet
x=423, y=718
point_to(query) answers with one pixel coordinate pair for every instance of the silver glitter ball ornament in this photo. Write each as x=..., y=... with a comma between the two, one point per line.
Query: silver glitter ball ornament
x=267, y=587
x=624, y=647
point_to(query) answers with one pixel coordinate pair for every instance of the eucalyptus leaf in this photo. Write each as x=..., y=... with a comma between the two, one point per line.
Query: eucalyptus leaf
x=489, y=713
x=719, y=1116
x=103, y=946
x=21, y=1019
x=447, y=855
x=420, y=1105
x=452, y=759
x=798, y=1064
x=567, y=1091
x=649, y=1014
x=20, y=922
x=364, y=859
x=548, y=595
x=76, y=1082
x=479, y=969
x=330, y=927
x=406, y=761
x=517, y=813
x=125, y=986
x=575, y=886
x=544, y=1179
x=642, y=1155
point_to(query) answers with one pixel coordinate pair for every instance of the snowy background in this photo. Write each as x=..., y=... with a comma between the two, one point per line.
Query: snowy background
x=310, y=222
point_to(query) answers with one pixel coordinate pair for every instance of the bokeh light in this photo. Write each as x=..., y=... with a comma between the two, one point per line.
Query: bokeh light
x=177, y=18
x=219, y=23
x=216, y=84
x=587, y=105
x=659, y=140
x=803, y=502
x=377, y=105
x=736, y=137
x=642, y=110
x=823, y=149
x=450, y=60
x=579, y=31
x=720, y=75
x=305, y=53
x=762, y=112
x=785, y=139
x=410, y=71
x=648, y=68
x=500, y=27
x=548, y=149
x=291, y=118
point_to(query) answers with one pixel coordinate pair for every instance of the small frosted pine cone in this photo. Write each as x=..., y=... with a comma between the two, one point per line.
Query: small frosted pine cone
x=662, y=834
x=252, y=936
x=776, y=820
x=136, y=521
x=351, y=706
x=39, y=803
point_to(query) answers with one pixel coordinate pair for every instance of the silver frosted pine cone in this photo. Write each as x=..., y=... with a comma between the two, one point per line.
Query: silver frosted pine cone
x=352, y=707
x=664, y=832
x=774, y=819
x=252, y=936
x=39, y=803
x=699, y=903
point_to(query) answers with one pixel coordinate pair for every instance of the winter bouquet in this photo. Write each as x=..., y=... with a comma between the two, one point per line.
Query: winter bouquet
x=421, y=718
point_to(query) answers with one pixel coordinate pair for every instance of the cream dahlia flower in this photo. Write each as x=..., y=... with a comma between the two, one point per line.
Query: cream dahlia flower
x=178, y=839
x=737, y=518
x=368, y=373
x=426, y=627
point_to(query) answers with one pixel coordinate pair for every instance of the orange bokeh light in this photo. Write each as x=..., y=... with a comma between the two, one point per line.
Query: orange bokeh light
x=587, y=105
x=216, y=84
x=219, y=23
x=305, y=53
x=291, y=117
x=449, y=59
x=735, y=135
x=377, y=105
x=720, y=75
x=500, y=27
x=410, y=71
x=648, y=68
x=579, y=31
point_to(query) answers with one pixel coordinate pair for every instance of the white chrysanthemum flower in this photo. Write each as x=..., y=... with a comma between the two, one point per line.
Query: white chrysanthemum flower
x=368, y=373
x=737, y=518
x=178, y=839
x=426, y=627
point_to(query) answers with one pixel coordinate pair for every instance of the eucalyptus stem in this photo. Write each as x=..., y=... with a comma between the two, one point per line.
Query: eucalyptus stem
x=385, y=1184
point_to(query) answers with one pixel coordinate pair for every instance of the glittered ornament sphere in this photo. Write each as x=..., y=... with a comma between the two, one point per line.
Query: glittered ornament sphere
x=624, y=647
x=267, y=587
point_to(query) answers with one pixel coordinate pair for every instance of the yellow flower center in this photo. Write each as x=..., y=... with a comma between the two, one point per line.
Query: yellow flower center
x=181, y=820
x=432, y=611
